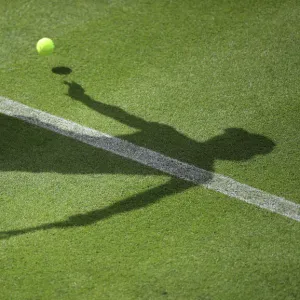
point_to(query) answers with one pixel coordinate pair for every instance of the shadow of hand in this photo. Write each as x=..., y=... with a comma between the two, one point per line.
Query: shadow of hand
x=75, y=91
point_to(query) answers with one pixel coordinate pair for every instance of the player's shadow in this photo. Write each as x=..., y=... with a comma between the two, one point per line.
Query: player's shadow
x=29, y=148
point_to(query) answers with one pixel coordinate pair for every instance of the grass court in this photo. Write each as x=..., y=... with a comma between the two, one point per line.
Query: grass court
x=214, y=84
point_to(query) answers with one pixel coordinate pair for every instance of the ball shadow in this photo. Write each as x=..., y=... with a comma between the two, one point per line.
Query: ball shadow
x=61, y=70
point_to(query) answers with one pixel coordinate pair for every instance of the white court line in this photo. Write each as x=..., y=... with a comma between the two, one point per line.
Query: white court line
x=212, y=181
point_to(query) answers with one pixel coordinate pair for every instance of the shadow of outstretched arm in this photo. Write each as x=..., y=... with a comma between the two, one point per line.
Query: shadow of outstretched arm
x=77, y=92
x=139, y=201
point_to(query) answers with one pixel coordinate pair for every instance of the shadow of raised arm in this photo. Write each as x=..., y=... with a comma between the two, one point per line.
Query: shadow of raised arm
x=77, y=92
x=139, y=201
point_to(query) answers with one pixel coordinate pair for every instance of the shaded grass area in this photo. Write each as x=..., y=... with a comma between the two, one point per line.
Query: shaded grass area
x=27, y=148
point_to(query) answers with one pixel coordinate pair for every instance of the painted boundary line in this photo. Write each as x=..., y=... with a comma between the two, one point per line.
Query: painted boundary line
x=212, y=181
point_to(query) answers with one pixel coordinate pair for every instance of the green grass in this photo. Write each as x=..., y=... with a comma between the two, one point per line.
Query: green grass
x=173, y=76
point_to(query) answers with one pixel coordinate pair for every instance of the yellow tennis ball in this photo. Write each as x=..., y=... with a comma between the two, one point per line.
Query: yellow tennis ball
x=45, y=46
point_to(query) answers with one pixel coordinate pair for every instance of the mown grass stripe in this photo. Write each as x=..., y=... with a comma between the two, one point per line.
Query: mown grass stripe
x=210, y=180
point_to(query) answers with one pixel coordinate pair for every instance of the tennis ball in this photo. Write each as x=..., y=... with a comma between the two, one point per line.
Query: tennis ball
x=45, y=46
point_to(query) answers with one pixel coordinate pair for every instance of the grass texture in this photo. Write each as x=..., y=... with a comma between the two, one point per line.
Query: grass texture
x=189, y=79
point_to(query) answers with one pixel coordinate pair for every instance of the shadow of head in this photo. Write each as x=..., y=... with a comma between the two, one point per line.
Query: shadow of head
x=239, y=145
